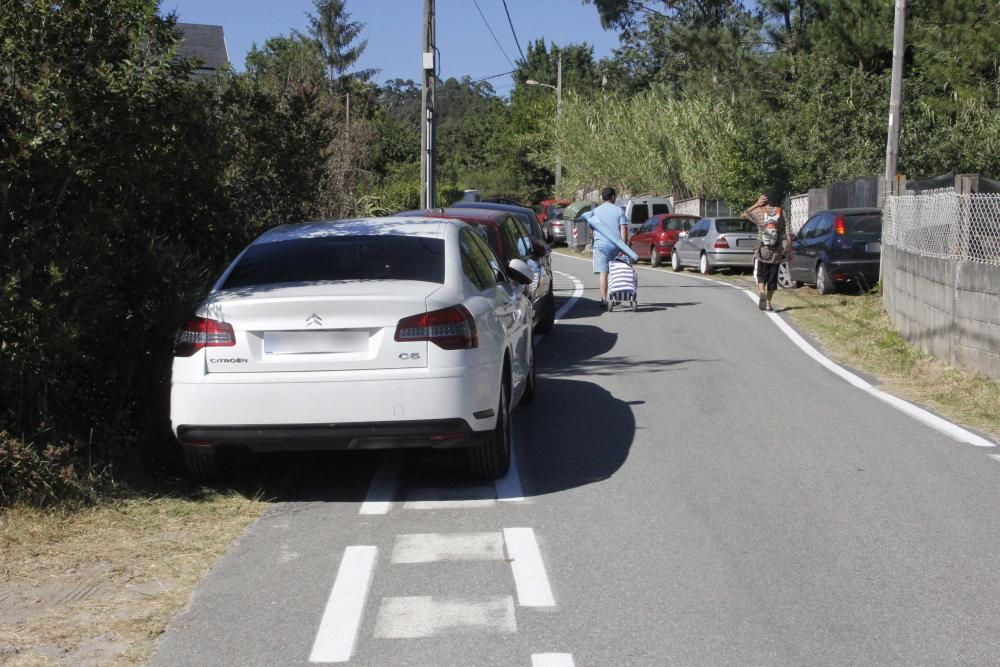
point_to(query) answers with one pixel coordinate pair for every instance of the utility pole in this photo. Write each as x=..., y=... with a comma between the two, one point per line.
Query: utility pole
x=427, y=185
x=895, y=99
x=347, y=113
x=558, y=114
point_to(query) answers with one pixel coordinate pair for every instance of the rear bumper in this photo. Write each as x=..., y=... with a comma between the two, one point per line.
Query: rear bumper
x=739, y=258
x=454, y=433
x=337, y=410
x=844, y=270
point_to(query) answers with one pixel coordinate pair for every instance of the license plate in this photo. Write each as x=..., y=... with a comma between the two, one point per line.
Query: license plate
x=746, y=243
x=314, y=342
x=873, y=248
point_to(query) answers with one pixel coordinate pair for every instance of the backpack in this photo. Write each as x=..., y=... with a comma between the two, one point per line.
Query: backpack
x=769, y=235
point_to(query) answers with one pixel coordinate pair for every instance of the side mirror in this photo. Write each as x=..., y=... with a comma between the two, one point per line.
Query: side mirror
x=520, y=272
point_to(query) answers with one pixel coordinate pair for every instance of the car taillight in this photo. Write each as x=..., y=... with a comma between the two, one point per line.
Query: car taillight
x=721, y=242
x=839, y=226
x=200, y=332
x=449, y=328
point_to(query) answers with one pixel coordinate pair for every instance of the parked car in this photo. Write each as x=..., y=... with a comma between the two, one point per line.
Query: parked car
x=561, y=228
x=716, y=242
x=362, y=334
x=836, y=247
x=549, y=208
x=640, y=209
x=656, y=238
x=508, y=237
x=525, y=214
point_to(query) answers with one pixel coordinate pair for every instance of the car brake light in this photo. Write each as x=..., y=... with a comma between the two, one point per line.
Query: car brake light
x=838, y=226
x=451, y=328
x=721, y=242
x=200, y=332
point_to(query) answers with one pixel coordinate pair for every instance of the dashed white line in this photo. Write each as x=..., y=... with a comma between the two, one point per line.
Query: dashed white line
x=435, y=547
x=455, y=497
x=383, y=487
x=429, y=616
x=338, y=630
x=944, y=426
x=552, y=660
x=532, y=583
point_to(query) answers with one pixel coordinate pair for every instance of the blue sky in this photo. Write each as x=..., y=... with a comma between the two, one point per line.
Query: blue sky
x=393, y=30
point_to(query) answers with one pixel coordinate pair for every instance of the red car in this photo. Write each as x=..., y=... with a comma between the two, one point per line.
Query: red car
x=547, y=205
x=656, y=238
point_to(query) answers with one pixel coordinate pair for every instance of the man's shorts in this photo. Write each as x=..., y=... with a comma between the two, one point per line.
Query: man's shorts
x=766, y=273
x=602, y=260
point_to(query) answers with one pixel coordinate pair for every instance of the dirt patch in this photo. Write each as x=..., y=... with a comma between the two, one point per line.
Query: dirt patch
x=97, y=586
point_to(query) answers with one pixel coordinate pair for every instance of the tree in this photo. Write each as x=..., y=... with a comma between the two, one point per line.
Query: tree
x=336, y=35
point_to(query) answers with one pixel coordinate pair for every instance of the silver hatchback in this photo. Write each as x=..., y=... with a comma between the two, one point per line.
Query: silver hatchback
x=716, y=242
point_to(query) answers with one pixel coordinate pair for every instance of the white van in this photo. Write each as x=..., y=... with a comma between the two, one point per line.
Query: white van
x=641, y=208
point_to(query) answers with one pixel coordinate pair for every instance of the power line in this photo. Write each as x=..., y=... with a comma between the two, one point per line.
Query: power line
x=476, y=3
x=516, y=41
x=495, y=76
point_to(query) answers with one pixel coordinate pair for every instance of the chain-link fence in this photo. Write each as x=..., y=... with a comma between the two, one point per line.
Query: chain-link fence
x=945, y=224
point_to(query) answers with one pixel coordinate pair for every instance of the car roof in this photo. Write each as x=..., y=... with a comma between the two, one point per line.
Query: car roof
x=668, y=216
x=410, y=226
x=485, y=216
x=853, y=211
x=523, y=210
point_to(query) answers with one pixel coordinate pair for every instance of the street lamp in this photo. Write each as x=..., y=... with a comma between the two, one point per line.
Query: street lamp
x=558, y=89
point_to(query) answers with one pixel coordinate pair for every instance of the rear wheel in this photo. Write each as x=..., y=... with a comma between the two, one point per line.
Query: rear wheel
x=202, y=463
x=491, y=460
x=704, y=266
x=548, y=318
x=785, y=277
x=675, y=261
x=823, y=283
x=654, y=257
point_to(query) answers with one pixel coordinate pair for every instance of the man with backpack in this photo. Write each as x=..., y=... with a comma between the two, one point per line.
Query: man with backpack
x=774, y=245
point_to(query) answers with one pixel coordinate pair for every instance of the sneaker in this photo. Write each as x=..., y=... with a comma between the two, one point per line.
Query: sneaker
x=770, y=308
x=762, y=302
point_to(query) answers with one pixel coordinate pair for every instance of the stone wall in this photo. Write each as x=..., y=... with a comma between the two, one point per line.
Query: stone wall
x=951, y=309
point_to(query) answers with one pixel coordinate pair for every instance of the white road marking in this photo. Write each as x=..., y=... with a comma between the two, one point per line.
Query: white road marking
x=427, y=616
x=532, y=583
x=508, y=487
x=342, y=617
x=571, y=301
x=457, y=497
x=995, y=457
x=434, y=547
x=942, y=425
x=383, y=487
x=552, y=660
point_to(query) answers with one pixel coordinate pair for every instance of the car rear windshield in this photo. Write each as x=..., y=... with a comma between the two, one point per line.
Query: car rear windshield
x=735, y=225
x=328, y=258
x=679, y=224
x=867, y=226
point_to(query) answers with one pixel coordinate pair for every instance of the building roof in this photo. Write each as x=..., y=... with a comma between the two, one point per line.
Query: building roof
x=206, y=44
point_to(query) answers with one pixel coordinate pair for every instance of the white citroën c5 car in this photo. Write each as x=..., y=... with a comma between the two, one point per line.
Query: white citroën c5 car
x=357, y=334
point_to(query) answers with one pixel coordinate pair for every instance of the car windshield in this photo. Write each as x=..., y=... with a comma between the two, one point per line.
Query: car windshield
x=329, y=258
x=866, y=226
x=678, y=224
x=735, y=225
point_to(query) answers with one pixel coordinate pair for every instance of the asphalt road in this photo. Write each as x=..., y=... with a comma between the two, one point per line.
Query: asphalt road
x=691, y=489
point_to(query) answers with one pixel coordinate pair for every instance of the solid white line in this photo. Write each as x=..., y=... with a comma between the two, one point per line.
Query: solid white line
x=435, y=547
x=509, y=489
x=941, y=425
x=383, y=487
x=552, y=660
x=342, y=617
x=571, y=301
x=532, y=583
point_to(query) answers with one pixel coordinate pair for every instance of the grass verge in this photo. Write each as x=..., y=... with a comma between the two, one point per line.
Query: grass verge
x=98, y=585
